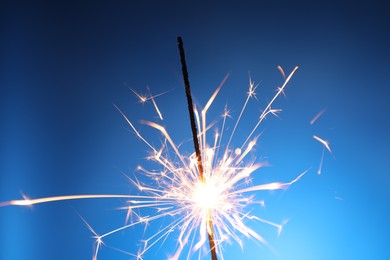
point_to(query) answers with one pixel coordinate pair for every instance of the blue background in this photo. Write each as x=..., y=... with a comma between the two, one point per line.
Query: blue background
x=62, y=66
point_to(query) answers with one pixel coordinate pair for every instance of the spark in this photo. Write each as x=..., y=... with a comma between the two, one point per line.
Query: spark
x=282, y=71
x=29, y=202
x=284, y=76
x=144, y=98
x=318, y=115
x=319, y=171
x=323, y=142
x=327, y=147
x=268, y=109
x=154, y=103
x=220, y=203
x=251, y=92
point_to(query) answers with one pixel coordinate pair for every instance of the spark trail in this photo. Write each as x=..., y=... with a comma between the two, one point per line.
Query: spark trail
x=203, y=196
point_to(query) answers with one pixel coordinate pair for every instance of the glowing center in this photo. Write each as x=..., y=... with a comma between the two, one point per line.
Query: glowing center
x=206, y=195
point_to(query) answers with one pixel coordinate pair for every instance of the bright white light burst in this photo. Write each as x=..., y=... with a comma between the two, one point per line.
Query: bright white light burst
x=217, y=204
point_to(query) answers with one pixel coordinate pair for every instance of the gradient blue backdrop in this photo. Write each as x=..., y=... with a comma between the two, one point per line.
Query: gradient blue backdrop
x=63, y=65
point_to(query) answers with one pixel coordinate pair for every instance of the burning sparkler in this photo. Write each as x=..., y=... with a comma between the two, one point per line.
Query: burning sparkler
x=204, y=195
x=210, y=229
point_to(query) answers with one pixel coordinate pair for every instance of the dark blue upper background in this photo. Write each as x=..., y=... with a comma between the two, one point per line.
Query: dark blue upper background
x=62, y=66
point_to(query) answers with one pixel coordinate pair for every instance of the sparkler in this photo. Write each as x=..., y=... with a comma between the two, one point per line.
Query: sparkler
x=204, y=195
x=210, y=229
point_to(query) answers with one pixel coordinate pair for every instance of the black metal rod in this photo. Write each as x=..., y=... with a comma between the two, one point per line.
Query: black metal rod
x=190, y=107
x=210, y=231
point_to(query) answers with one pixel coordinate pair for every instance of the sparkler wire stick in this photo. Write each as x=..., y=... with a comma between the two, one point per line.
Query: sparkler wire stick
x=190, y=107
x=196, y=141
